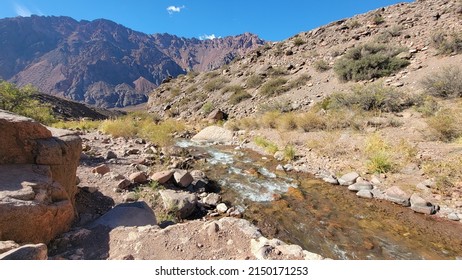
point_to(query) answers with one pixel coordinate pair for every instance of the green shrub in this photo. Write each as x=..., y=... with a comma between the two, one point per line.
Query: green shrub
x=298, y=41
x=269, y=147
x=238, y=94
x=321, y=65
x=238, y=97
x=207, y=108
x=378, y=19
x=373, y=97
x=369, y=61
x=254, y=81
x=447, y=43
x=273, y=87
x=122, y=127
x=78, y=125
x=446, y=83
x=290, y=152
x=278, y=106
x=352, y=24
x=378, y=153
x=22, y=102
x=299, y=81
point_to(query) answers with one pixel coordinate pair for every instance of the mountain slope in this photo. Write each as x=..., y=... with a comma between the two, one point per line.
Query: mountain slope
x=100, y=62
x=305, y=62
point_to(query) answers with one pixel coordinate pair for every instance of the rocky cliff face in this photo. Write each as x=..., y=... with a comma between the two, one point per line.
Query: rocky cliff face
x=100, y=62
x=205, y=55
x=38, y=171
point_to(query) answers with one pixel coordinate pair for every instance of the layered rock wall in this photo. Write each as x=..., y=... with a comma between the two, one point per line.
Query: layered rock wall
x=38, y=179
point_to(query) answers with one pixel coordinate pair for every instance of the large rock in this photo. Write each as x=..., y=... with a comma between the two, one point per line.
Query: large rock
x=397, y=195
x=38, y=171
x=359, y=186
x=348, y=179
x=420, y=205
x=162, y=177
x=183, y=203
x=127, y=215
x=183, y=178
x=214, y=134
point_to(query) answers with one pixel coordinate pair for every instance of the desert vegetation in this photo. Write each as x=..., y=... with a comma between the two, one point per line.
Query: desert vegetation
x=20, y=100
x=369, y=61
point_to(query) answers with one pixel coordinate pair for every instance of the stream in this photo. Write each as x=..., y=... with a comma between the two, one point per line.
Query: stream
x=322, y=218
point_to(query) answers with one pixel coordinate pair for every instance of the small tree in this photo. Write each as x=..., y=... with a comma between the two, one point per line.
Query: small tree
x=21, y=101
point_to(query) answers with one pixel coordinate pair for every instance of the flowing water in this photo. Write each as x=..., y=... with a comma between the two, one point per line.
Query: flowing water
x=325, y=219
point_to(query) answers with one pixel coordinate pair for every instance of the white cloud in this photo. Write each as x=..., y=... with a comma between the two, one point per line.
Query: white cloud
x=22, y=11
x=175, y=9
x=208, y=37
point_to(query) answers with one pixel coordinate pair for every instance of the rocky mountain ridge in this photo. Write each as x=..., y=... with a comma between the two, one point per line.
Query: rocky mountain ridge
x=103, y=63
x=305, y=62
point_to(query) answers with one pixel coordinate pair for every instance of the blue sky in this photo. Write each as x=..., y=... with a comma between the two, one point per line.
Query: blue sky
x=272, y=20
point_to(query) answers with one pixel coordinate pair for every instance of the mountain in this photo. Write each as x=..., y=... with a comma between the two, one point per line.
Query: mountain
x=100, y=62
x=304, y=64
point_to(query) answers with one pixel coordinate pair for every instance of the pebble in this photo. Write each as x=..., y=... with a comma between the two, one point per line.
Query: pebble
x=454, y=217
x=222, y=208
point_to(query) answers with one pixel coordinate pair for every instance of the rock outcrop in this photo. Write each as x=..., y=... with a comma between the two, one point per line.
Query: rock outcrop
x=38, y=170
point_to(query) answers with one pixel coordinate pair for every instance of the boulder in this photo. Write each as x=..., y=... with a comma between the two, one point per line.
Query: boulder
x=420, y=205
x=222, y=208
x=183, y=178
x=398, y=196
x=183, y=203
x=138, y=177
x=214, y=134
x=27, y=252
x=358, y=186
x=365, y=194
x=212, y=199
x=331, y=180
x=111, y=155
x=101, y=169
x=163, y=176
x=348, y=179
x=123, y=184
x=217, y=115
x=38, y=169
x=127, y=215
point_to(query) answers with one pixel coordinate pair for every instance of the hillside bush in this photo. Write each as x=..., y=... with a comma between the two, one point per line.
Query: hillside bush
x=447, y=43
x=446, y=83
x=273, y=87
x=446, y=125
x=215, y=84
x=369, y=61
x=254, y=81
x=238, y=94
x=372, y=97
x=321, y=65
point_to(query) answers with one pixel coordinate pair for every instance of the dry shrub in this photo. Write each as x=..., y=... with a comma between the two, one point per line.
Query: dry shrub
x=446, y=83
